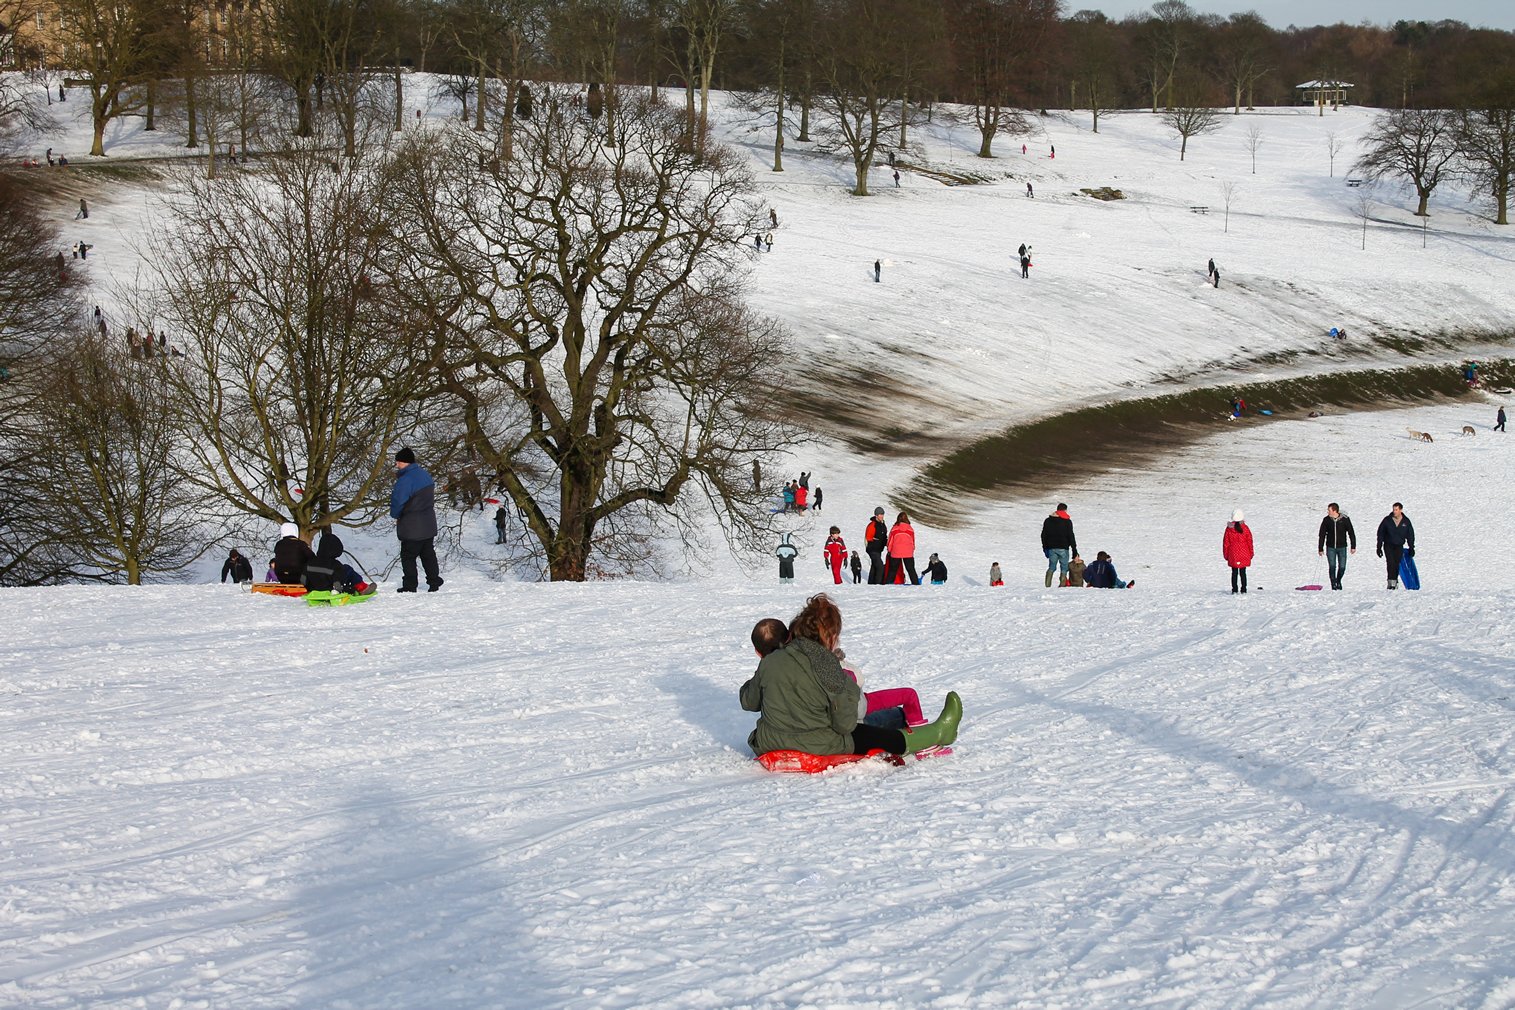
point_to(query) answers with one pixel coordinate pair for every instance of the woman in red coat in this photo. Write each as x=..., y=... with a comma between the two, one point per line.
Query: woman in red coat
x=901, y=551
x=1236, y=548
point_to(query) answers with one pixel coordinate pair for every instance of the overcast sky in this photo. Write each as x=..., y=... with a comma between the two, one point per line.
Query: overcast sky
x=1304, y=13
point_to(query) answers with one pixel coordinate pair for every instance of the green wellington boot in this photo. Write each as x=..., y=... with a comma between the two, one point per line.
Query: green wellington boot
x=939, y=733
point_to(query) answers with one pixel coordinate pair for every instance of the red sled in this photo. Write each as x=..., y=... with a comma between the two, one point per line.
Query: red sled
x=1308, y=588
x=811, y=764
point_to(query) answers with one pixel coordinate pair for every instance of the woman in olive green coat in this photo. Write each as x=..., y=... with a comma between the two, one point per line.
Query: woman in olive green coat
x=807, y=703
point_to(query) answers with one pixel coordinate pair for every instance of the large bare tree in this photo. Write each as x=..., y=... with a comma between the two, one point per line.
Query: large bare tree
x=104, y=448
x=597, y=354
x=300, y=355
x=862, y=78
x=995, y=43
x=1416, y=145
x=117, y=42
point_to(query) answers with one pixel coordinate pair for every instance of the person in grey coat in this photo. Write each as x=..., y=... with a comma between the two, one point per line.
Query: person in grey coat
x=412, y=504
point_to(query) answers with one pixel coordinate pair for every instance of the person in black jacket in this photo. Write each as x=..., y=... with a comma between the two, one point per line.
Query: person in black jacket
x=238, y=567
x=326, y=572
x=1058, y=543
x=412, y=504
x=1396, y=538
x=875, y=538
x=1337, y=537
x=936, y=571
x=291, y=555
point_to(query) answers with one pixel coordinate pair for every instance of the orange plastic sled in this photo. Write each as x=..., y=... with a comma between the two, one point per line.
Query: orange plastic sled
x=279, y=588
x=810, y=764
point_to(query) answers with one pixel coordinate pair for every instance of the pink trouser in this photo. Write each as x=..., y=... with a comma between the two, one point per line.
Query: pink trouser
x=897, y=697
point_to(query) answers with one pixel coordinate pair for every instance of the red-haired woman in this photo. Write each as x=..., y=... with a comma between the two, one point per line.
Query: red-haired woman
x=806, y=702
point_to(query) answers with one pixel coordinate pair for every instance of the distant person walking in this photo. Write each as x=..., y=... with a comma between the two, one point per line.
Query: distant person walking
x=1396, y=540
x=1030, y=192
x=1498, y=418
x=412, y=504
x=84, y=213
x=1236, y=548
x=878, y=271
x=500, y=522
x=896, y=178
x=1210, y=270
x=1025, y=265
x=1216, y=277
x=1336, y=539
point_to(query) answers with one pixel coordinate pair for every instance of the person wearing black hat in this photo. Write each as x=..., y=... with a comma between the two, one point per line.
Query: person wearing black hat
x=874, y=538
x=412, y=504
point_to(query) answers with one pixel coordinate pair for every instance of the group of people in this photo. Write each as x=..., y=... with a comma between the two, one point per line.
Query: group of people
x=1212, y=273
x=797, y=496
x=808, y=701
x=891, y=552
x=412, y=504
x=1335, y=540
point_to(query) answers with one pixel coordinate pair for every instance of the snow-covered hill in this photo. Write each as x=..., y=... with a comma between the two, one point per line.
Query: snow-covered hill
x=537, y=796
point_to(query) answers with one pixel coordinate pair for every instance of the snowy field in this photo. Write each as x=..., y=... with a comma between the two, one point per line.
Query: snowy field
x=540, y=796
x=533, y=796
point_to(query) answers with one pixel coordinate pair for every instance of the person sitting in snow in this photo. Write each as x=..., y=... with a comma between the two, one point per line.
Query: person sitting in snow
x=291, y=555
x=1102, y=574
x=806, y=702
x=1076, y=572
x=326, y=572
x=272, y=575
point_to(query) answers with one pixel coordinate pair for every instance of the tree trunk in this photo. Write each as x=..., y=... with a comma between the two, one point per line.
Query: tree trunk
x=904, y=118
x=1502, y=199
x=399, y=96
x=1237, y=111
x=97, y=148
x=152, y=106
x=987, y=128
x=304, y=120
x=689, y=114
x=1183, y=146
x=805, y=109
x=861, y=189
x=778, y=115
x=1096, y=115
x=478, y=102
x=1425, y=197
x=192, y=127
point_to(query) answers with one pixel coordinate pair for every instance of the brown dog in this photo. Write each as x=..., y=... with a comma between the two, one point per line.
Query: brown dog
x=1424, y=436
x=1467, y=429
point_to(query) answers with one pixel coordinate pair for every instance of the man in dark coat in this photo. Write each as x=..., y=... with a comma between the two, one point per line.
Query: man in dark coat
x=412, y=504
x=1498, y=418
x=501, y=520
x=237, y=567
x=875, y=537
x=1396, y=539
x=1337, y=537
x=1058, y=543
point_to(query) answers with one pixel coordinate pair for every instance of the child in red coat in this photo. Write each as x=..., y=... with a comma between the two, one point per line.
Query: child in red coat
x=835, y=553
x=1236, y=548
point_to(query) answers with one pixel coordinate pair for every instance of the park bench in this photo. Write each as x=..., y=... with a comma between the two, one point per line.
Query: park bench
x=1199, y=210
x=1354, y=183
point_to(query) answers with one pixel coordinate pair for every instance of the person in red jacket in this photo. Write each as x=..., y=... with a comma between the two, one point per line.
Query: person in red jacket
x=835, y=553
x=1236, y=548
x=801, y=492
x=901, y=551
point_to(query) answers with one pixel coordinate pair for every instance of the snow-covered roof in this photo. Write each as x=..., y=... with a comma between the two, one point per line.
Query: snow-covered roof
x=1325, y=84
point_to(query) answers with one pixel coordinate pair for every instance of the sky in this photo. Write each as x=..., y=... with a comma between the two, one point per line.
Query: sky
x=1303, y=13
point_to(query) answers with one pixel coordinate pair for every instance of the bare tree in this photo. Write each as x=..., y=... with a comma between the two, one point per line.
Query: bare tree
x=103, y=429
x=116, y=42
x=1167, y=33
x=1227, y=194
x=1486, y=140
x=301, y=357
x=1416, y=145
x=995, y=42
x=1364, y=211
x=1098, y=63
x=1334, y=145
x=597, y=353
x=861, y=72
x=39, y=303
x=1242, y=55
x=1189, y=115
x=1254, y=141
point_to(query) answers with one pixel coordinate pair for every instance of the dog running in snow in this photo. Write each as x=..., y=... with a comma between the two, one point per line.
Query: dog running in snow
x=1424, y=436
x=1467, y=429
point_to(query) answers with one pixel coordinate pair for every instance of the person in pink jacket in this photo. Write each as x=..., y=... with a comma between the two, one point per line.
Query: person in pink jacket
x=1236, y=548
x=901, y=551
